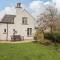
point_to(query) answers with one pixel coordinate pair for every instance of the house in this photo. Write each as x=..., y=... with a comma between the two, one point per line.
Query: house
x=20, y=24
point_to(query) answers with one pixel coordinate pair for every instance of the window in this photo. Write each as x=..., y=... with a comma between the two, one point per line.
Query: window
x=4, y=30
x=24, y=20
x=29, y=31
x=13, y=29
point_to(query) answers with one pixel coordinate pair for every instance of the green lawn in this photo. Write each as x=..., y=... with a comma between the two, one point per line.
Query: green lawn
x=28, y=51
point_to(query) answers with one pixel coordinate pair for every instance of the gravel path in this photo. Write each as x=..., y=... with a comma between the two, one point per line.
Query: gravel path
x=16, y=41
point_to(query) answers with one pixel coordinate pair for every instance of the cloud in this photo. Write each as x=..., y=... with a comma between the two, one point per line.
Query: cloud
x=7, y=10
x=38, y=6
x=10, y=10
x=35, y=8
x=57, y=4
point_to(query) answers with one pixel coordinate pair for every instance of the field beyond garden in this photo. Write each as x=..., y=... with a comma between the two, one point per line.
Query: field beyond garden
x=29, y=51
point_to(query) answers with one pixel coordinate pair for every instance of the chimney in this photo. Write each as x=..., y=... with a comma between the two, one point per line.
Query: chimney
x=18, y=5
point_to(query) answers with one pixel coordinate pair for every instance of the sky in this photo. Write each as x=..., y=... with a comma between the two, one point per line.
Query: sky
x=5, y=3
x=35, y=7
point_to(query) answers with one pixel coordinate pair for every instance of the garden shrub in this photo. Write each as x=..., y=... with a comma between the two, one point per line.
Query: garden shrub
x=52, y=37
x=38, y=35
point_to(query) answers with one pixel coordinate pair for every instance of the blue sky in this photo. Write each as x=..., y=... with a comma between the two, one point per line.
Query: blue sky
x=5, y=3
x=35, y=7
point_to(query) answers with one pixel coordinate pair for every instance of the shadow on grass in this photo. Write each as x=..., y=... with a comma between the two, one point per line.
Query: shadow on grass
x=49, y=44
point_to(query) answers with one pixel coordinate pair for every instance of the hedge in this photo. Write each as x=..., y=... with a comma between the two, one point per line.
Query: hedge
x=52, y=37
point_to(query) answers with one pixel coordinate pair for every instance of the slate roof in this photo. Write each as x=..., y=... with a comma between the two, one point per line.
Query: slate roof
x=8, y=19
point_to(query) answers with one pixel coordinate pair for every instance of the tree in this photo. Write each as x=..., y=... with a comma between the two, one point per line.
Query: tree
x=48, y=19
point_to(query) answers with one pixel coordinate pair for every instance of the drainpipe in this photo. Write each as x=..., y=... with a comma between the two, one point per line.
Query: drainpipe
x=7, y=33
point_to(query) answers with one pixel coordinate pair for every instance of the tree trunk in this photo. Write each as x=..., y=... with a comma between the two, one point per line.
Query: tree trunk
x=42, y=34
x=51, y=29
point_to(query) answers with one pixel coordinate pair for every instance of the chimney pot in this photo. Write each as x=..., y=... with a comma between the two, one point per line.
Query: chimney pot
x=18, y=5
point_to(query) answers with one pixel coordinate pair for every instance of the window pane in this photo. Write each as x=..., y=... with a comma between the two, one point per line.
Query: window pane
x=4, y=30
x=13, y=29
x=29, y=31
x=24, y=20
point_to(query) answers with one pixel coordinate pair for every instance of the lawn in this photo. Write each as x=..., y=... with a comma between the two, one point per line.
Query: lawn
x=28, y=51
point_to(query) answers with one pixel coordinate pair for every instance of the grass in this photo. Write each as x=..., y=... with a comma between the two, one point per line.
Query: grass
x=28, y=51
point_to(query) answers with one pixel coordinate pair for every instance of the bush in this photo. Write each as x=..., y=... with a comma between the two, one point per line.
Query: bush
x=48, y=36
x=38, y=36
x=57, y=37
x=52, y=37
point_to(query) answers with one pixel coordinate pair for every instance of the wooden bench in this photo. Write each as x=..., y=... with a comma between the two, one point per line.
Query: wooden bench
x=17, y=38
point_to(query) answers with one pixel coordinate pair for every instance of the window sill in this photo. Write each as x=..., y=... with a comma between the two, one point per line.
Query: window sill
x=4, y=33
x=24, y=24
x=29, y=36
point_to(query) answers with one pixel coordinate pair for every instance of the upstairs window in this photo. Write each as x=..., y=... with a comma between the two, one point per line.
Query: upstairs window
x=24, y=20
